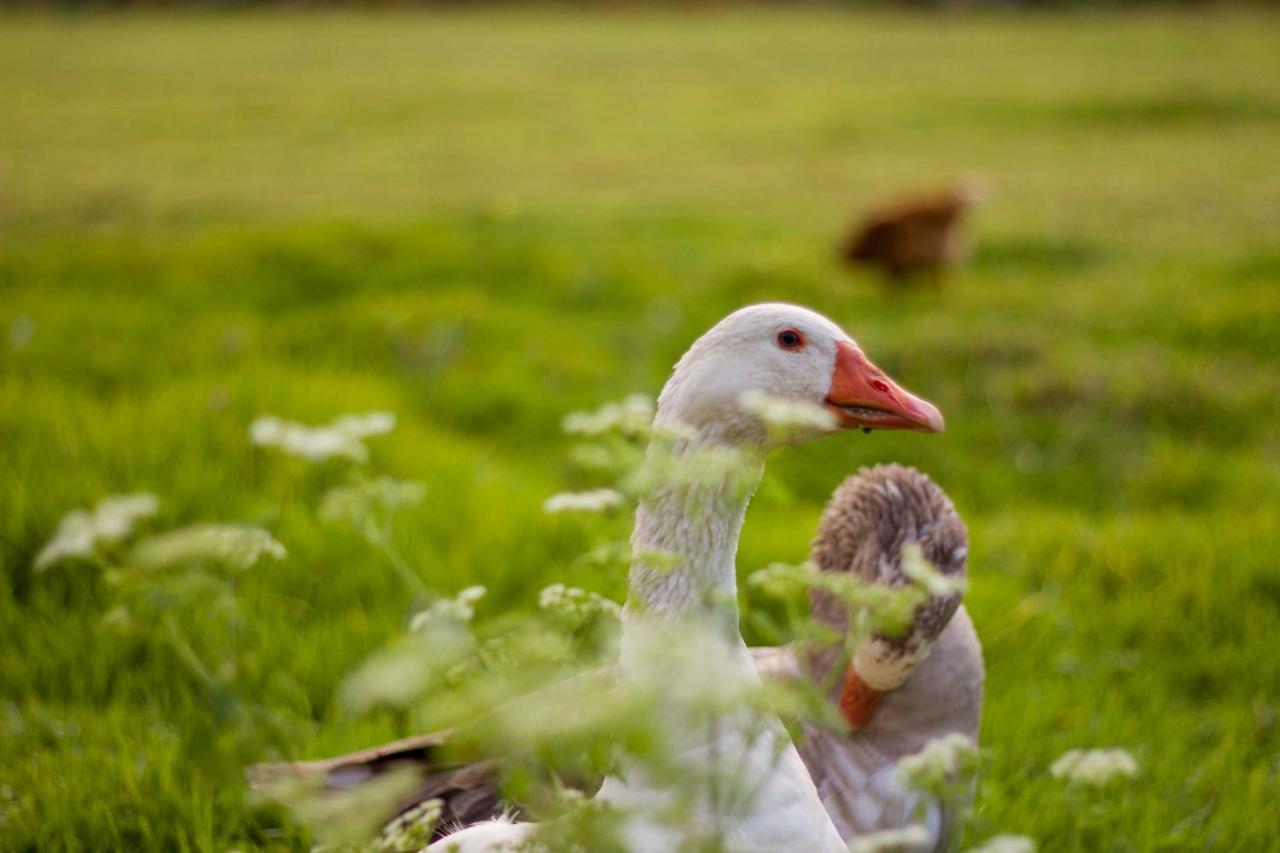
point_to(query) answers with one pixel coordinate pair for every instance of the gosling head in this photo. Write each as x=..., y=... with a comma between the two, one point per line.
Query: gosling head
x=866, y=525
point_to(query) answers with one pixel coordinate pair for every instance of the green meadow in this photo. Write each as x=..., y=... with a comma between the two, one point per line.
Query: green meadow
x=484, y=220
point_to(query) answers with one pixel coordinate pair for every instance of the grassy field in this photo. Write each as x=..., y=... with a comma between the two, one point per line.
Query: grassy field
x=483, y=221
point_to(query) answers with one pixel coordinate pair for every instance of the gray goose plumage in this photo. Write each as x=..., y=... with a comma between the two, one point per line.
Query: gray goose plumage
x=863, y=530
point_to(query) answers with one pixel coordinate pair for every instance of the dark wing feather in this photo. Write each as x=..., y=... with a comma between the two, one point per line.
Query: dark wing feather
x=468, y=792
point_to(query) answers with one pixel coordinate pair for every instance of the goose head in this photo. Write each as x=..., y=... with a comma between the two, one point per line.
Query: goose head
x=791, y=353
x=865, y=527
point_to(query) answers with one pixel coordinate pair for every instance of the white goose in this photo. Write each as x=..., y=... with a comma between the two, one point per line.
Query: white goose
x=784, y=351
x=864, y=527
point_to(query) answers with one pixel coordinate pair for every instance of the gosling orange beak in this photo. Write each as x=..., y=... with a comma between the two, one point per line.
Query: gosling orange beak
x=858, y=700
x=863, y=397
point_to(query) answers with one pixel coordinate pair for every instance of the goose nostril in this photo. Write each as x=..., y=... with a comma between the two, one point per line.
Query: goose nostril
x=880, y=385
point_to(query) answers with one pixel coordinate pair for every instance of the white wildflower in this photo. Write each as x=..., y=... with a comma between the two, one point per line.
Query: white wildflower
x=368, y=424
x=234, y=545
x=412, y=830
x=81, y=531
x=1094, y=767
x=459, y=608
x=674, y=431
x=268, y=431
x=632, y=417
x=578, y=604
x=113, y=517
x=75, y=538
x=1006, y=844
x=939, y=764
x=314, y=444
x=901, y=840
x=787, y=416
x=341, y=439
x=365, y=501
x=596, y=500
x=317, y=445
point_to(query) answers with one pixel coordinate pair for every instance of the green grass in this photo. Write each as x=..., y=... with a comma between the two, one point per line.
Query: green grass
x=482, y=221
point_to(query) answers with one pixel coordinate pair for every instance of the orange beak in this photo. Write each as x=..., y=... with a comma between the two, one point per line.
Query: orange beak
x=858, y=700
x=863, y=397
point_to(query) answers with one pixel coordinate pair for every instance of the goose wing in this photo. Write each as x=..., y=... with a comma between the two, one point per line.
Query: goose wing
x=468, y=792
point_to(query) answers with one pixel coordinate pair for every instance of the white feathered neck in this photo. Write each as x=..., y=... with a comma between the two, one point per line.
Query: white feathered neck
x=697, y=528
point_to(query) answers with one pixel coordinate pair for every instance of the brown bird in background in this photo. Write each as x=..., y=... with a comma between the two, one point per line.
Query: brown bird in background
x=914, y=236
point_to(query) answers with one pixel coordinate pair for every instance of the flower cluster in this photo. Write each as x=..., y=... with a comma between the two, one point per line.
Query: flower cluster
x=596, y=500
x=940, y=764
x=341, y=439
x=237, y=546
x=412, y=830
x=786, y=417
x=81, y=532
x=459, y=608
x=1095, y=768
x=873, y=608
x=365, y=502
x=631, y=417
x=577, y=604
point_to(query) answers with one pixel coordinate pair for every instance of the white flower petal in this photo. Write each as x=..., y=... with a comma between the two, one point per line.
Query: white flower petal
x=593, y=501
x=113, y=517
x=342, y=439
x=787, y=415
x=941, y=759
x=908, y=838
x=1006, y=844
x=80, y=531
x=267, y=431
x=632, y=416
x=1094, y=767
x=459, y=608
x=235, y=545
x=74, y=538
x=368, y=424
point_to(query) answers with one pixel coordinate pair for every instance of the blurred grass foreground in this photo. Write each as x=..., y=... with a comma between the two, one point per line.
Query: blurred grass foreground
x=481, y=221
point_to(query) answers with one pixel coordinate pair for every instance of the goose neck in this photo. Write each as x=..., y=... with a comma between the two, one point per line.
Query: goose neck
x=685, y=542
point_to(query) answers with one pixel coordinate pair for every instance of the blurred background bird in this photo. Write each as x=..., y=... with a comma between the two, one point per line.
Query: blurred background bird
x=916, y=236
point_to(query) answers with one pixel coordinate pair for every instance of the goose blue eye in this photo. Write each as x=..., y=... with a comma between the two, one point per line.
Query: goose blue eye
x=790, y=339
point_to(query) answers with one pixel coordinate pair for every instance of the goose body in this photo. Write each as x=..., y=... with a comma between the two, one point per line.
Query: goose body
x=866, y=523
x=791, y=353
x=787, y=352
x=856, y=775
x=937, y=663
